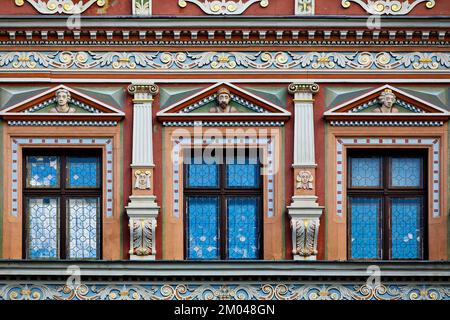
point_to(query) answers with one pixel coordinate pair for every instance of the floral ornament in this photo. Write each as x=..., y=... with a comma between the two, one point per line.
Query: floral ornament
x=223, y=7
x=388, y=7
x=142, y=7
x=61, y=6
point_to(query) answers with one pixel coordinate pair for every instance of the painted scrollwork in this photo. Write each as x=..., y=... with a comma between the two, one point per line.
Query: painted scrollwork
x=61, y=6
x=389, y=7
x=223, y=7
x=227, y=61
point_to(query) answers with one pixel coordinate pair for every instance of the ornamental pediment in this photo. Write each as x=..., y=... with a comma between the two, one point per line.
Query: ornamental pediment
x=224, y=101
x=387, y=103
x=62, y=103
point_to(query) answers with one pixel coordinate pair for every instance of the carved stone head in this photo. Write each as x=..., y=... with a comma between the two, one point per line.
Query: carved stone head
x=63, y=98
x=223, y=98
x=387, y=99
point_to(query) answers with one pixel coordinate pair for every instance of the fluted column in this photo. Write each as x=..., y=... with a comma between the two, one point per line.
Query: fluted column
x=304, y=210
x=142, y=209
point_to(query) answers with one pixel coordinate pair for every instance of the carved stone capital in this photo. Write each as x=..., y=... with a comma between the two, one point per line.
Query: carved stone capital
x=143, y=92
x=305, y=222
x=142, y=212
x=303, y=88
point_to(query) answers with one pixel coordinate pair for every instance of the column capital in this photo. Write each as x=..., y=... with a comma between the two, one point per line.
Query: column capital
x=143, y=92
x=303, y=88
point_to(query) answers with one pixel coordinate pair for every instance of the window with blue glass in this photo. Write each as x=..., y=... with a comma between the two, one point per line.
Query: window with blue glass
x=62, y=204
x=223, y=198
x=387, y=204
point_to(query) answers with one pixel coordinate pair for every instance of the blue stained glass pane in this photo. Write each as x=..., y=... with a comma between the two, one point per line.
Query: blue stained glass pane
x=43, y=228
x=244, y=173
x=366, y=172
x=406, y=172
x=83, y=172
x=203, y=228
x=202, y=175
x=365, y=238
x=406, y=228
x=83, y=228
x=42, y=172
x=243, y=235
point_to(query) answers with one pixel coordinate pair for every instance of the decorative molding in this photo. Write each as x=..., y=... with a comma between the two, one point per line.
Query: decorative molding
x=374, y=123
x=305, y=180
x=223, y=124
x=61, y=6
x=304, y=7
x=142, y=7
x=26, y=290
x=388, y=7
x=58, y=123
x=56, y=141
x=224, y=61
x=381, y=141
x=223, y=7
x=303, y=88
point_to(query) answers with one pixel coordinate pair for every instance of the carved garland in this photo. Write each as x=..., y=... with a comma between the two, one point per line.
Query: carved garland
x=223, y=7
x=388, y=7
x=61, y=6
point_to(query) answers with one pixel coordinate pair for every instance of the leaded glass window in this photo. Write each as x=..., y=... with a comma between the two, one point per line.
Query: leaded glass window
x=62, y=204
x=223, y=207
x=386, y=204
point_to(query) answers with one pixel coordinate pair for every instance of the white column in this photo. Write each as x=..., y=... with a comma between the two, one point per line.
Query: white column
x=304, y=210
x=142, y=209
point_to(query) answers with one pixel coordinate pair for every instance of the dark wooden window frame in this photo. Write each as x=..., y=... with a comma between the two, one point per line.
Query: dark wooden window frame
x=222, y=192
x=385, y=192
x=63, y=193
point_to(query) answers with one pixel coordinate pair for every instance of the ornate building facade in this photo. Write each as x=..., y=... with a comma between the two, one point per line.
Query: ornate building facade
x=301, y=145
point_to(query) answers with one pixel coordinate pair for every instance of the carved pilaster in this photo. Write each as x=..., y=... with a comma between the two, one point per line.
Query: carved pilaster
x=142, y=208
x=143, y=212
x=304, y=210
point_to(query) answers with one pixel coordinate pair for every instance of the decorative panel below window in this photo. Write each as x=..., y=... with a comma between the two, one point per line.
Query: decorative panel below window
x=203, y=224
x=83, y=228
x=406, y=228
x=83, y=172
x=365, y=228
x=42, y=172
x=43, y=228
x=243, y=241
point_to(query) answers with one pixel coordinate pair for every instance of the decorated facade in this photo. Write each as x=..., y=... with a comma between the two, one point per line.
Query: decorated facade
x=300, y=145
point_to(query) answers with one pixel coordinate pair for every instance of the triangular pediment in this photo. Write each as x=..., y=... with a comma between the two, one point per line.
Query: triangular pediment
x=387, y=102
x=242, y=105
x=76, y=106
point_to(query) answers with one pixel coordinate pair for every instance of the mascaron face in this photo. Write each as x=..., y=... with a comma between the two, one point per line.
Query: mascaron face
x=63, y=98
x=389, y=100
x=224, y=99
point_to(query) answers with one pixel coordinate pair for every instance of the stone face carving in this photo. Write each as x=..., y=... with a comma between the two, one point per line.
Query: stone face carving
x=223, y=102
x=61, y=6
x=63, y=98
x=223, y=7
x=388, y=7
x=142, y=180
x=305, y=235
x=387, y=99
x=305, y=180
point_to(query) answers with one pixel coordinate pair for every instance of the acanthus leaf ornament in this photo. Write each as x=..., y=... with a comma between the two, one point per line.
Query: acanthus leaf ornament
x=61, y=6
x=223, y=7
x=388, y=7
